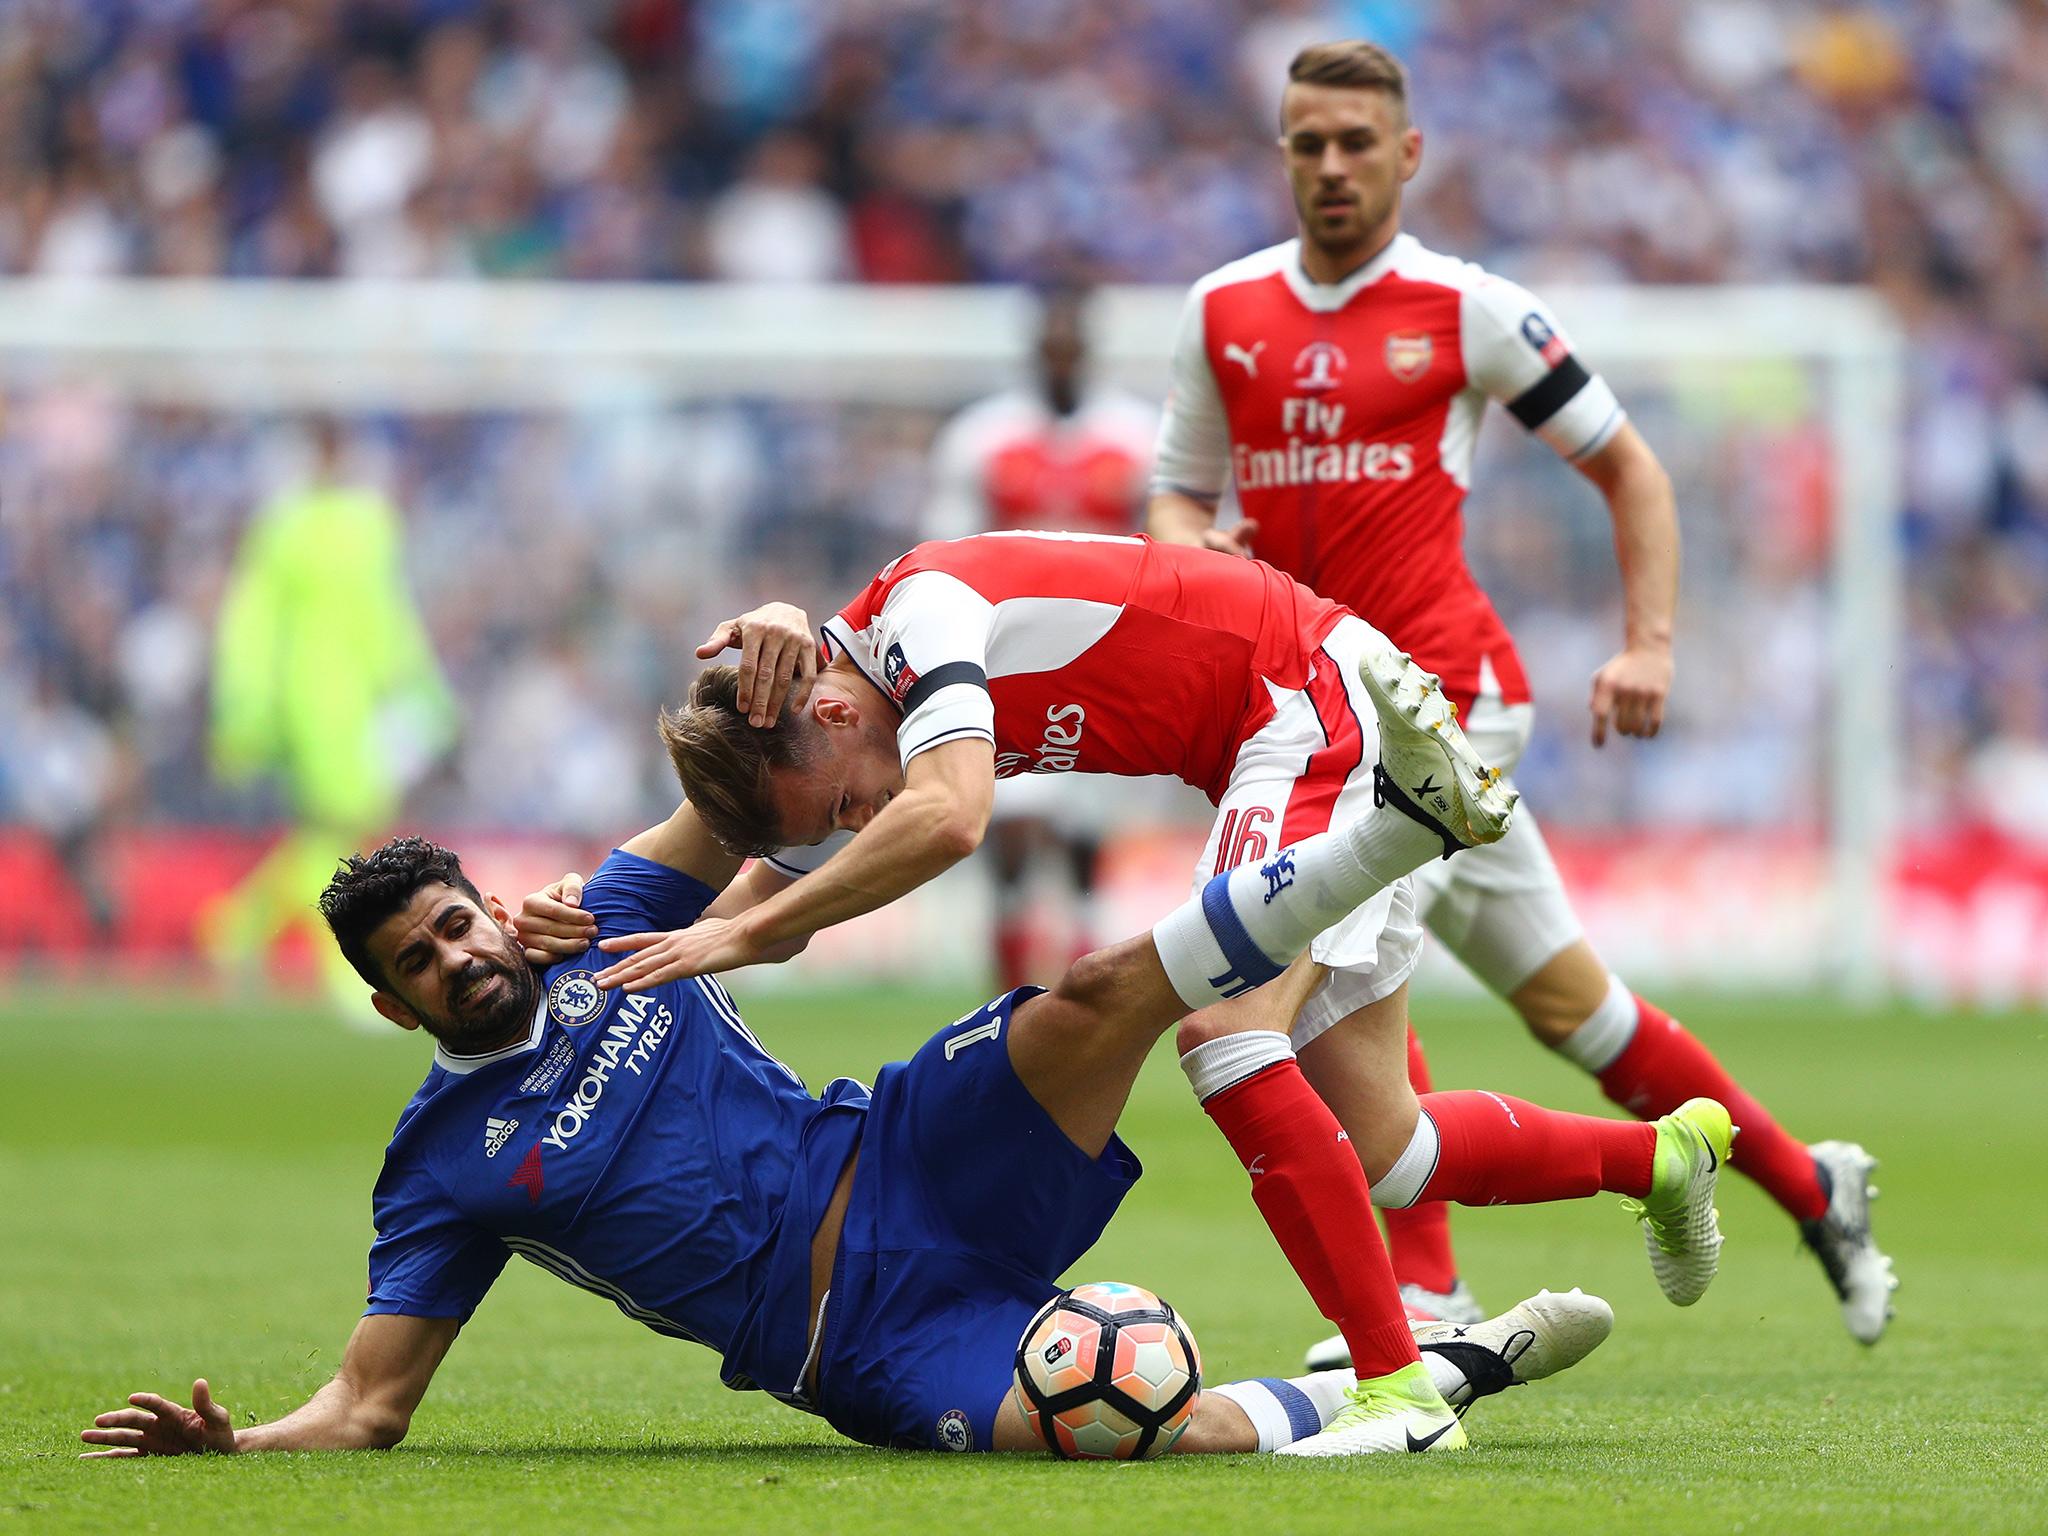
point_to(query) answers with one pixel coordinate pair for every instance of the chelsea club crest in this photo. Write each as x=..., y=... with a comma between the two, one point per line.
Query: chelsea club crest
x=574, y=998
x=955, y=1431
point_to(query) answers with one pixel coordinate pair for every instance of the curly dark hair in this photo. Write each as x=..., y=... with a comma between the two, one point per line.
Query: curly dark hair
x=370, y=887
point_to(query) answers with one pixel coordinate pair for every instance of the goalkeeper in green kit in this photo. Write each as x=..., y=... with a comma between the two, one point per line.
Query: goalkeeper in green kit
x=323, y=679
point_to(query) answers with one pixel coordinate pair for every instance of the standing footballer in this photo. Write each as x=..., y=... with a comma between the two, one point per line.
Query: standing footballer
x=1338, y=380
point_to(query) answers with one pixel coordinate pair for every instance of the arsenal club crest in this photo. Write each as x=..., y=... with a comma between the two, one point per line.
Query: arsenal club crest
x=1409, y=354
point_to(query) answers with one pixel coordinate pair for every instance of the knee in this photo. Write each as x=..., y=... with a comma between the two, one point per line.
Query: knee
x=1092, y=983
x=1551, y=1026
x=1199, y=1029
x=1380, y=1144
x=1562, y=994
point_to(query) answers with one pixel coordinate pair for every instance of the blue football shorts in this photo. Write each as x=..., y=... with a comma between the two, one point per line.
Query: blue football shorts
x=968, y=1204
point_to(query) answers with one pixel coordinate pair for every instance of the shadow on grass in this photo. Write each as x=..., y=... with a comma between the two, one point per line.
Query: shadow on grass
x=736, y=1453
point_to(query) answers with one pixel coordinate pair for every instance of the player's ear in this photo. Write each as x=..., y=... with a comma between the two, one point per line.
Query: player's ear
x=829, y=710
x=500, y=913
x=1411, y=152
x=392, y=1009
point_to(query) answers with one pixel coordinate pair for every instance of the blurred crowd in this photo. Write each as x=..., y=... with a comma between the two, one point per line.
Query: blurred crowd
x=565, y=564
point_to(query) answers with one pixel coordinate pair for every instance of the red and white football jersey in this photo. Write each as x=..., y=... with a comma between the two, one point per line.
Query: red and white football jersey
x=1347, y=415
x=1010, y=462
x=1083, y=653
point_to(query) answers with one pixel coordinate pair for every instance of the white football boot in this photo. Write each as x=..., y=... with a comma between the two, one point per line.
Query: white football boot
x=1859, y=1271
x=1550, y=1332
x=1457, y=1305
x=1427, y=769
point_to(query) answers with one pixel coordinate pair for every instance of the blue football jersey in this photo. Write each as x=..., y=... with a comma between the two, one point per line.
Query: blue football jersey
x=644, y=1147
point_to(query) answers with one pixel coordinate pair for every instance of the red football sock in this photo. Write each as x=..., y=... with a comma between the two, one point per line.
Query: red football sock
x=1308, y=1185
x=1419, y=1236
x=1664, y=1064
x=1502, y=1151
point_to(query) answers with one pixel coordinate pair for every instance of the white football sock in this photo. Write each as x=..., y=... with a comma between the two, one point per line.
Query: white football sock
x=1452, y=1384
x=1286, y=1411
x=1599, y=1042
x=1392, y=843
x=1244, y=927
x=1228, y=1060
x=1403, y=1183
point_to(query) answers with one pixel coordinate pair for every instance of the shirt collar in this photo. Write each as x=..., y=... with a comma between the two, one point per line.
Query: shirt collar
x=1332, y=296
x=462, y=1066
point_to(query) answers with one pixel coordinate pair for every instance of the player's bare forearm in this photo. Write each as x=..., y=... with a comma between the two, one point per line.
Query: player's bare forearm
x=334, y=1419
x=1645, y=515
x=761, y=881
x=936, y=821
x=1174, y=517
x=367, y=1406
x=1631, y=689
x=385, y=1371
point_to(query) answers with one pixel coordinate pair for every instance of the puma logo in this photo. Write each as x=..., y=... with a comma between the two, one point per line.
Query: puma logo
x=1249, y=361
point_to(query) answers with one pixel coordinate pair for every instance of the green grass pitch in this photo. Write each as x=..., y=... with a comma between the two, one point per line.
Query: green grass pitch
x=184, y=1190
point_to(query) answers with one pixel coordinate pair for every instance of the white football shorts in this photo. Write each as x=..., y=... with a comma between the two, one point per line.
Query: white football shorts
x=1309, y=767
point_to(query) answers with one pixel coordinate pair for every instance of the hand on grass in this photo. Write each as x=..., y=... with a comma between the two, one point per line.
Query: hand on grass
x=156, y=1426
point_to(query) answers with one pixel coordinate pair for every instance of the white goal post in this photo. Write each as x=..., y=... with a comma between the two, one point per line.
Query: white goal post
x=265, y=346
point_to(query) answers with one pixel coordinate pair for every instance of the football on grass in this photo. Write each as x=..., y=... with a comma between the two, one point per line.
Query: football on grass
x=1108, y=1372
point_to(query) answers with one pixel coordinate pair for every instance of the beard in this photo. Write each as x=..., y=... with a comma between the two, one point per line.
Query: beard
x=499, y=1017
x=1352, y=236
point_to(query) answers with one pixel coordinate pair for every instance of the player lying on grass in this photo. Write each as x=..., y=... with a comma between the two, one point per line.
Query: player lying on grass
x=871, y=1256
x=973, y=658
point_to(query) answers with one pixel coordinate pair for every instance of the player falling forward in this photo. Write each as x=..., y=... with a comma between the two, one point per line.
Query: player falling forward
x=869, y=1256
x=982, y=657
x=1338, y=381
x=1066, y=455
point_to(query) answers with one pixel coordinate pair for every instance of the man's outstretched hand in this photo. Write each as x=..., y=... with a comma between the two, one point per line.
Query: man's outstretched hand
x=552, y=924
x=778, y=658
x=156, y=1426
x=708, y=945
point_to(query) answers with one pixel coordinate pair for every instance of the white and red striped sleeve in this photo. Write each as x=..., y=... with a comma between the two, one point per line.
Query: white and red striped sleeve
x=1517, y=353
x=927, y=648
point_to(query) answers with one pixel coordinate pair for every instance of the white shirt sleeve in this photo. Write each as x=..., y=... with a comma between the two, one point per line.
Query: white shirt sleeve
x=1194, y=432
x=931, y=647
x=795, y=863
x=1517, y=353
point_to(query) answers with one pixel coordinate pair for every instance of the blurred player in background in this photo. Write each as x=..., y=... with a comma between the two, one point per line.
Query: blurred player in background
x=1069, y=455
x=324, y=680
x=1338, y=381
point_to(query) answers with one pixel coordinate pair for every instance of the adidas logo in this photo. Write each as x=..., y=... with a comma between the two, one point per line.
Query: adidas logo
x=496, y=1133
